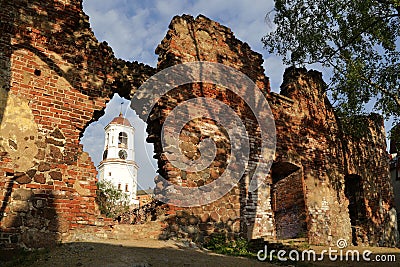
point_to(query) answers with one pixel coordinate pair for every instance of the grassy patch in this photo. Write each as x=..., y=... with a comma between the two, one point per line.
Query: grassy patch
x=219, y=243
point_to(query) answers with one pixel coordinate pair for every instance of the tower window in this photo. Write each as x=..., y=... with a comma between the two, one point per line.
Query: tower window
x=119, y=186
x=126, y=188
x=122, y=139
x=109, y=174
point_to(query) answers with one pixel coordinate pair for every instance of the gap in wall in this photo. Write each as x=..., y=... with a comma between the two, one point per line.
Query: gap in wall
x=93, y=140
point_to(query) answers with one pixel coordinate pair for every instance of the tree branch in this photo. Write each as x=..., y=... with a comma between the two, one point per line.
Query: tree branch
x=383, y=90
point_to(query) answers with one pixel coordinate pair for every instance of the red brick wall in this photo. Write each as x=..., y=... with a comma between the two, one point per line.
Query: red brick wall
x=308, y=136
x=56, y=79
x=287, y=200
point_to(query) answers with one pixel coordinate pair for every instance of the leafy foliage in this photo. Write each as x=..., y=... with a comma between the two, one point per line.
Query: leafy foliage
x=112, y=202
x=220, y=244
x=358, y=39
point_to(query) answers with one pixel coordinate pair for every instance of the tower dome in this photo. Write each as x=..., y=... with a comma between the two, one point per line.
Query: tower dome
x=121, y=121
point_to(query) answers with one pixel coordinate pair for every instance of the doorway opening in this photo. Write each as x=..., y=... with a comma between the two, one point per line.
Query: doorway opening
x=355, y=194
x=288, y=200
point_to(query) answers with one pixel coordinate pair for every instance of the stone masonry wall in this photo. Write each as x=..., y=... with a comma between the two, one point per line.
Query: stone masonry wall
x=309, y=145
x=200, y=39
x=311, y=137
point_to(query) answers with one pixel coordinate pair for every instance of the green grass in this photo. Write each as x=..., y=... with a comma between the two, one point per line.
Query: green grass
x=218, y=243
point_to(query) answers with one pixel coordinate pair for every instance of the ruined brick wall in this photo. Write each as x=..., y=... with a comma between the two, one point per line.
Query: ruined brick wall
x=367, y=159
x=308, y=137
x=395, y=167
x=55, y=79
x=305, y=193
x=287, y=200
x=238, y=212
x=312, y=138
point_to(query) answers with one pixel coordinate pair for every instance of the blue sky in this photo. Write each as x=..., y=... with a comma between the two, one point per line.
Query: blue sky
x=134, y=29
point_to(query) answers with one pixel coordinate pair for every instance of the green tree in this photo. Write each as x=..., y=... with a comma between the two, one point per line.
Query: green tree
x=112, y=202
x=358, y=39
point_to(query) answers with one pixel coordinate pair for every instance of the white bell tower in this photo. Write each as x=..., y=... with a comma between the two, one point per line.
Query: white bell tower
x=118, y=165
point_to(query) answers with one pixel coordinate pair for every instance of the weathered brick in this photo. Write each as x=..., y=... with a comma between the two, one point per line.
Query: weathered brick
x=23, y=179
x=39, y=178
x=43, y=166
x=54, y=142
x=22, y=194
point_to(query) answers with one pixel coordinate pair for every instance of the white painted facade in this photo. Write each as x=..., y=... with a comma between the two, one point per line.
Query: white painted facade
x=118, y=165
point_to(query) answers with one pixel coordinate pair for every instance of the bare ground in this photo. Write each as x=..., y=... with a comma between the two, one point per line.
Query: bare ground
x=133, y=253
x=146, y=253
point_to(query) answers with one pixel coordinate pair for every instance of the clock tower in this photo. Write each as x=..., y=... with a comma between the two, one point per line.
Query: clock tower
x=118, y=165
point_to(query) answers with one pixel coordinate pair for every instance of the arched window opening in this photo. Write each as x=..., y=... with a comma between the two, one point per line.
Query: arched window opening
x=95, y=140
x=122, y=140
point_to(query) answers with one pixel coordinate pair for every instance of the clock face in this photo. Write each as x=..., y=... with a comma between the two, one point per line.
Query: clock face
x=122, y=154
x=105, y=154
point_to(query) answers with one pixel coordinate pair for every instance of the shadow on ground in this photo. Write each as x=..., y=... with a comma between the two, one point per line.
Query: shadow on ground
x=141, y=253
x=145, y=253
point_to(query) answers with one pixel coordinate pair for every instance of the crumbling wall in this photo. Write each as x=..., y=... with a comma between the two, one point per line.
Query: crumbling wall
x=238, y=212
x=367, y=158
x=287, y=200
x=310, y=151
x=395, y=167
x=308, y=136
x=55, y=79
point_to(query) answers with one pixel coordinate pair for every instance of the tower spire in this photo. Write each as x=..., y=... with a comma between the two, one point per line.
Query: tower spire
x=120, y=111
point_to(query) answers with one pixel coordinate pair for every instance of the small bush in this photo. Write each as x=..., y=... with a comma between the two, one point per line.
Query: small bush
x=112, y=202
x=237, y=247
